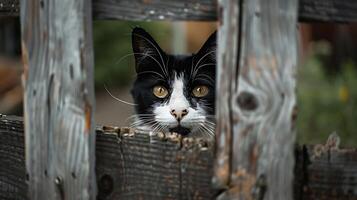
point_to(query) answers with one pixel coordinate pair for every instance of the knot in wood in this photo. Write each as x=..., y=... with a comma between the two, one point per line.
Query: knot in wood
x=259, y=189
x=247, y=101
x=106, y=185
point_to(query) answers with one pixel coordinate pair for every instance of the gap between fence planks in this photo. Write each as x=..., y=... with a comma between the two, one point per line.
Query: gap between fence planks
x=174, y=170
x=59, y=98
x=200, y=10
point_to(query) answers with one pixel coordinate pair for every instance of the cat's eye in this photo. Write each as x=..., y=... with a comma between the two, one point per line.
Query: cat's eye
x=200, y=91
x=160, y=91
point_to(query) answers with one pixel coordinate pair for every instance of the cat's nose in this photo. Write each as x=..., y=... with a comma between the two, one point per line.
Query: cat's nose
x=179, y=114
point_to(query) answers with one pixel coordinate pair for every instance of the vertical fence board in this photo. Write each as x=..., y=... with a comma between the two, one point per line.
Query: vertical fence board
x=59, y=98
x=227, y=52
x=256, y=106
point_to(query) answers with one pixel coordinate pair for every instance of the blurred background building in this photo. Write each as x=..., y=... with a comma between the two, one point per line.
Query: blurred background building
x=327, y=76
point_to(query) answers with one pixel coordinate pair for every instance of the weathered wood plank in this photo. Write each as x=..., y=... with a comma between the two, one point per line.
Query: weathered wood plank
x=9, y=8
x=327, y=11
x=12, y=159
x=256, y=90
x=160, y=166
x=227, y=62
x=155, y=9
x=129, y=165
x=201, y=10
x=325, y=171
x=320, y=172
x=59, y=98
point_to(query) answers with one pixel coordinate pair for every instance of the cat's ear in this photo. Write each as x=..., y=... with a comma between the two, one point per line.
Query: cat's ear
x=208, y=50
x=145, y=47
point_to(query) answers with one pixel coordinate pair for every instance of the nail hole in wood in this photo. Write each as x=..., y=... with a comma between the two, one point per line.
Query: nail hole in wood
x=71, y=71
x=58, y=181
x=247, y=101
x=73, y=175
x=42, y=4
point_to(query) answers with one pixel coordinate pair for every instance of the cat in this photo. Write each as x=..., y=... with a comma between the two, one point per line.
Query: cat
x=174, y=93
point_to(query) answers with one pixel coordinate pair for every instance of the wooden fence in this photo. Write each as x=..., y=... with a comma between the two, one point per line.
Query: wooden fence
x=164, y=166
x=254, y=156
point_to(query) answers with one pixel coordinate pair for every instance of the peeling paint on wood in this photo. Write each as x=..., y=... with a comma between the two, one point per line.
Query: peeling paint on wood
x=59, y=98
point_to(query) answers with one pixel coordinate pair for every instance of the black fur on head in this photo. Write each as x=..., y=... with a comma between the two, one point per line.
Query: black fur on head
x=155, y=67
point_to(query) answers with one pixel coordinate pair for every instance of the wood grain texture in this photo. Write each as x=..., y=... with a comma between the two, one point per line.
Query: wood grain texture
x=227, y=69
x=257, y=57
x=128, y=166
x=161, y=166
x=200, y=10
x=133, y=165
x=12, y=159
x=327, y=11
x=59, y=98
x=323, y=173
x=9, y=8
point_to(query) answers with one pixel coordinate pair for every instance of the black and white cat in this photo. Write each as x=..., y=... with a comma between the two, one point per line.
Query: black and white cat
x=174, y=92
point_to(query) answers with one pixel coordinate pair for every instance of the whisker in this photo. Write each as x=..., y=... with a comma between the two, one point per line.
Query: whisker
x=155, y=49
x=153, y=72
x=122, y=101
x=203, y=58
x=206, y=76
x=199, y=67
x=161, y=67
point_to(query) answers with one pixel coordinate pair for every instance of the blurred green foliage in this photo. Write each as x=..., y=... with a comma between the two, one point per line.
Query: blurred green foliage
x=114, y=64
x=326, y=104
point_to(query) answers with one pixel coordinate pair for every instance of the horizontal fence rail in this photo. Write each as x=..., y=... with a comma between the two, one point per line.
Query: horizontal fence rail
x=202, y=10
x=129, y=165
x=133, y=165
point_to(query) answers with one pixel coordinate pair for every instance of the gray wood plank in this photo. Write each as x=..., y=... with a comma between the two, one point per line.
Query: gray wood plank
x=12, y=159
x=129, y=165
x=227, y=70
x=59, y=98
x=327, y=11
x=137, y=165
x=126, y=161
x=325, y=173
x=9, y=8
x=201, y=10
x=256, y=90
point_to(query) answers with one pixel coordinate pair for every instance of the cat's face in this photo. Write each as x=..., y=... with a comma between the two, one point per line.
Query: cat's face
x=174, y=93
